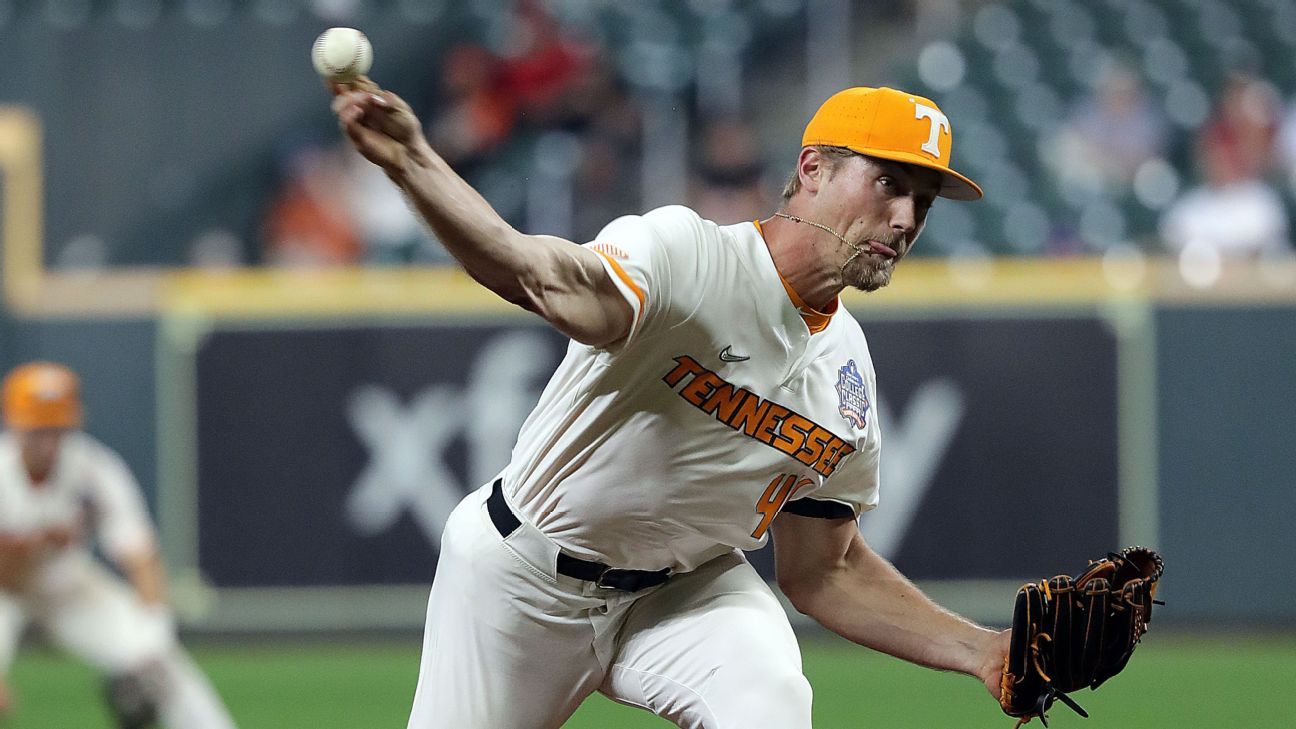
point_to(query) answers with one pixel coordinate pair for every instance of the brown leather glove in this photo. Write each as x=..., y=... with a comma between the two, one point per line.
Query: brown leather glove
x=1069, y=633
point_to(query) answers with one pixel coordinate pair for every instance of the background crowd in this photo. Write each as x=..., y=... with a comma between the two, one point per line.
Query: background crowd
x=1156, y=126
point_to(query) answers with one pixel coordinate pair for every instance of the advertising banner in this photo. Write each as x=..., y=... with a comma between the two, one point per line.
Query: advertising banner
x=332, y=456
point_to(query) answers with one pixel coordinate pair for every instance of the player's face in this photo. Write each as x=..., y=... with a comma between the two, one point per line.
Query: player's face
x=881, y=206
x=40, y=449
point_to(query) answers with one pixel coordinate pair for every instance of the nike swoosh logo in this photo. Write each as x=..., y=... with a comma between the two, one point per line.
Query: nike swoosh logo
x=727, y=355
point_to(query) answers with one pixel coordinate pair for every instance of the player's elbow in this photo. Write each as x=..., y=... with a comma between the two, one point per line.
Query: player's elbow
x=803, y=589
x=540, y=275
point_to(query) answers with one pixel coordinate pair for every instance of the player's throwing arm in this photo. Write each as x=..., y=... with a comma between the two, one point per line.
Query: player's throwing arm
x=555, y=278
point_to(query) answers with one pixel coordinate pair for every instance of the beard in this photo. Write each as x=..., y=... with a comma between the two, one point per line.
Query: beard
x=868, y=272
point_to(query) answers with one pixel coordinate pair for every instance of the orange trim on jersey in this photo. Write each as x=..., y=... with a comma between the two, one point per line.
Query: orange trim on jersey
x=625, y=279
x=816, y=320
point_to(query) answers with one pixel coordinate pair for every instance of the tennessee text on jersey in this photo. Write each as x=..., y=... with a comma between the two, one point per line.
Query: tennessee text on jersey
x=756, y=417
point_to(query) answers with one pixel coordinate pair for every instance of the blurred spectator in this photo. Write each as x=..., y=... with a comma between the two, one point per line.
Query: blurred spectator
x=388, y=229
x=309, y=224
x=476, y=114
x=1237, y=219
x=1287, y=145
x=1235, y=212
x=1237, y=142
x=606, y=183
x=497, y=105
x=726, y=185
x=541, y=66
x=1109, y=134
x=607, y=121
x=536, y=79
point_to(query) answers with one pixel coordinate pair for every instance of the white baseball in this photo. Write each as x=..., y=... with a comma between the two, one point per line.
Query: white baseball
x=341, y=54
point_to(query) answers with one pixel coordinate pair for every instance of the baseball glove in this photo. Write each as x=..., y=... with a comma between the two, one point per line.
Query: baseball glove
x=132, y=699
x=1068, y=633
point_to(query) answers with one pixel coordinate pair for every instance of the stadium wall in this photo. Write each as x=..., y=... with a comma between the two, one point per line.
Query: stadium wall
x=1155, y=419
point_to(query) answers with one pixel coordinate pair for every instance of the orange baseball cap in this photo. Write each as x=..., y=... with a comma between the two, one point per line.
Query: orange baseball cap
x=42, y=395
x=894, y=125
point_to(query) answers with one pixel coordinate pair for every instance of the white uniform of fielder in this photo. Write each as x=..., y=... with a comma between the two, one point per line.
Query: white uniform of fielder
x=675, y=449
x=83, y=607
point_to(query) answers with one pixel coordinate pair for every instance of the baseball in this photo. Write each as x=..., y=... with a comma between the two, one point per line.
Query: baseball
x=341, y=54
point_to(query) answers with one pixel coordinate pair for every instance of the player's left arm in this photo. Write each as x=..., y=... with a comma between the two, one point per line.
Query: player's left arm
x=828, y=572
x=123, y=526
x=18, y=554
x=143, y=570
x=564, y=283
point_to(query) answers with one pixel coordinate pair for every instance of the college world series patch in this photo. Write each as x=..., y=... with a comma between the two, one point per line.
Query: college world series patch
x=852, y=397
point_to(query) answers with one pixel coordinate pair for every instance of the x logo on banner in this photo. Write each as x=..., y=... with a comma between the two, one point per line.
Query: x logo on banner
x=409, y=445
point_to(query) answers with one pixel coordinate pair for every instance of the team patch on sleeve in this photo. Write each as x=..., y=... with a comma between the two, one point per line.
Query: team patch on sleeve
x=611, y=253
x=609, y=250
x=853, y=403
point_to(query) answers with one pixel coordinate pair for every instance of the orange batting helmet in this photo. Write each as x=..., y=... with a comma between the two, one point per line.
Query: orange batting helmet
x=42, y=395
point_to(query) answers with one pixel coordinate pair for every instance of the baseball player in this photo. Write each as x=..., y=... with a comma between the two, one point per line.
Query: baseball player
x=59, y=488
x=714, y=393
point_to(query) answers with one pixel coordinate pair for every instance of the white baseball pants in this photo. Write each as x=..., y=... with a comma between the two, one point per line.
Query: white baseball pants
x=511, y=644
x=96, y=617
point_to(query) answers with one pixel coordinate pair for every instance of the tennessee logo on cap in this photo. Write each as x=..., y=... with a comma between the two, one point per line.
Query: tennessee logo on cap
x=891, y=124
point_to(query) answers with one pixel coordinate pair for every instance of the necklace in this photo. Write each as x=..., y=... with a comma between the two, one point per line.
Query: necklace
x=858, y=249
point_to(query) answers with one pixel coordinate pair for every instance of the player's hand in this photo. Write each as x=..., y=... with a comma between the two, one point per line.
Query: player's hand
x=17, y=556
x=379, y=123
x=992, y=665
x=59, y=537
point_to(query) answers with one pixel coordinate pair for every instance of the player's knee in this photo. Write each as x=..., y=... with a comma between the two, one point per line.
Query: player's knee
x=778, y=698
x=791, y=690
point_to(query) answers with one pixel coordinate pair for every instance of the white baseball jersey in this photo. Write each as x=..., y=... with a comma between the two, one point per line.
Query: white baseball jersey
x=84, y=608
x=728, y=400
x=89, y=488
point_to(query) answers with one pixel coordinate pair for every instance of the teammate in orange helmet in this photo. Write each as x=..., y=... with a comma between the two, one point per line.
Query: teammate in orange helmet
x=59, y=489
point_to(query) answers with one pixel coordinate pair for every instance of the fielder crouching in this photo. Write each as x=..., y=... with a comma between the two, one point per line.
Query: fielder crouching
x=59, y=488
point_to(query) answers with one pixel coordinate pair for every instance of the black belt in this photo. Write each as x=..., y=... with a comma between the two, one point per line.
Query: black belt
x=596, y=572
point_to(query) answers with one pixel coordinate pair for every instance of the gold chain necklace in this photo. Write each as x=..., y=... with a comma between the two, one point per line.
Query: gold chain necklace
x=858, y=249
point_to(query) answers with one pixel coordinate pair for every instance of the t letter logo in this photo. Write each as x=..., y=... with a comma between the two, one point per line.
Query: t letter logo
x=939, y=123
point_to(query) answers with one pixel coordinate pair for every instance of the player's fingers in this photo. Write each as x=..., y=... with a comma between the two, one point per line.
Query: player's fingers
x=389, y=113
x=391, y=122
x=358, y=135
x=378, y=113
x=342, y=100
x=338, y=88
x=364, y=83
x=348, y=107
x=396, y=102
x=355, y=99
x=358, y=126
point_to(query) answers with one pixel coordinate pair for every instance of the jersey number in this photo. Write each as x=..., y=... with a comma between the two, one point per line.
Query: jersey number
x=776, y=494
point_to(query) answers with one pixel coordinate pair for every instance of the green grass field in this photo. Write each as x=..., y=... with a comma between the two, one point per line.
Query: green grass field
x=1175, y=681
